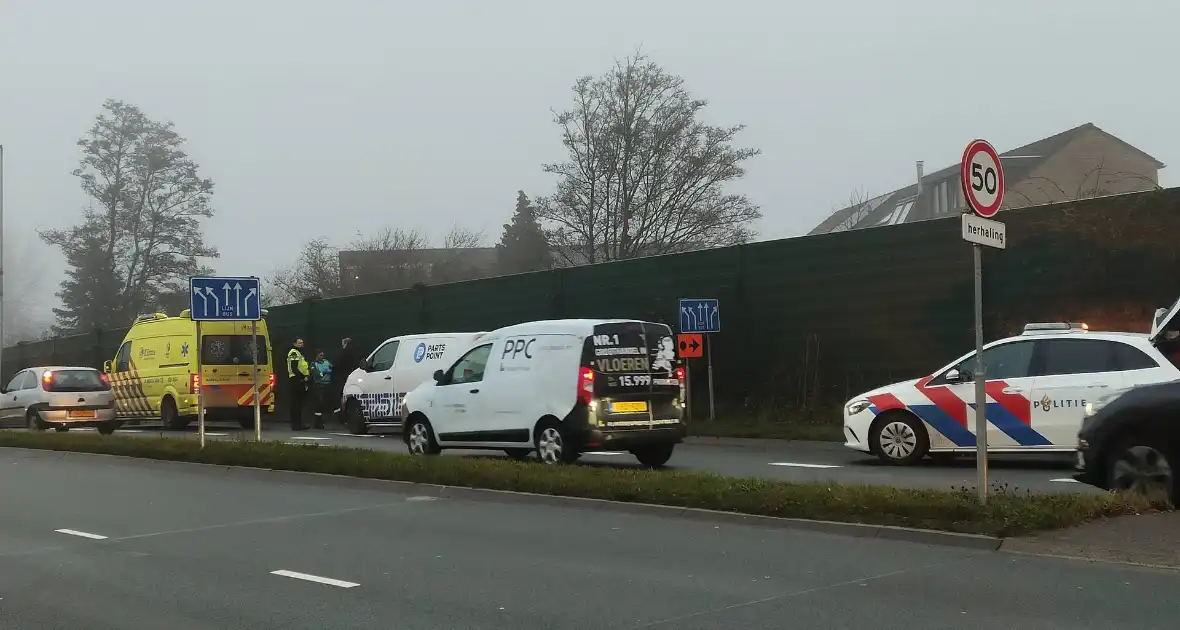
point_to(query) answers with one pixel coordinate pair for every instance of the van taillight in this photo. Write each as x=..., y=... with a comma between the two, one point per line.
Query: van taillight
x=194, y=383
x=586, y=386
x=680, y=375
x=271, y=380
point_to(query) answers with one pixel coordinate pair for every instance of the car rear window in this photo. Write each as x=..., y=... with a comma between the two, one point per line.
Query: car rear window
x=230, y=350
x=76, y=381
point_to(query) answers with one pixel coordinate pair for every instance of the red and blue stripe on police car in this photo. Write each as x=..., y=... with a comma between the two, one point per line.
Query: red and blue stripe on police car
x=947, y=413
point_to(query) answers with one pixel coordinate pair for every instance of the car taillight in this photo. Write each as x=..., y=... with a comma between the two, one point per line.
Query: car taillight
x=194, y=383
x=586, y=385
x=106, y=381
x=47, y=381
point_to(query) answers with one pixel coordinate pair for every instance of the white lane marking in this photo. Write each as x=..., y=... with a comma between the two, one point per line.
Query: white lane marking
x=74, y=532
x=368, y=435
x=422, y=499
x=314, y=578
x=798, y=465
x=208, y=434
x=1066, y=480
x=130, y=431
x=308, y=437
x=606, y=453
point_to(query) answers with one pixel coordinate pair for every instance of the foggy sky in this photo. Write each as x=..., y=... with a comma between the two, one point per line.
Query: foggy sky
x=322, y=119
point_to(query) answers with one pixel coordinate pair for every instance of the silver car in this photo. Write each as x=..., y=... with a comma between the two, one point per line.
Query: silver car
x=60, y=397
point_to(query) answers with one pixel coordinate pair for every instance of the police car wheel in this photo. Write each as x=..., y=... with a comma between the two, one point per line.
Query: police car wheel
x=1145, y=466
x=899, y=439
x=420, y=437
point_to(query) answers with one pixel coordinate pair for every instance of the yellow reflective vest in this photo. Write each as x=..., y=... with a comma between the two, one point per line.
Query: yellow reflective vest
x=295, y=361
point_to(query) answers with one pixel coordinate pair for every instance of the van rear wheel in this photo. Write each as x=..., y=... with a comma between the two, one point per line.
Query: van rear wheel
x=654, y=455
x=553, y=445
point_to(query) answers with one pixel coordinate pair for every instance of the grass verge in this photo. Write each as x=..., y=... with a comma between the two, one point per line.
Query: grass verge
x=1007, y=513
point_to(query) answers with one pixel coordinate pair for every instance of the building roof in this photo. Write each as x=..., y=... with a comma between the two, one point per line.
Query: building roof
x=902, y=205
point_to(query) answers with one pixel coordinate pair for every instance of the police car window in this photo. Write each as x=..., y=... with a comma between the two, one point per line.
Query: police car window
x=1131, y=358
x=384, y=356
x=1009, y=360
x=471, y=367
x=1078, y=356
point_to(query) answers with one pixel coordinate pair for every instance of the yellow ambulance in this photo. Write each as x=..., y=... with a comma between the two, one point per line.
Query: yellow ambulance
x=154, y=374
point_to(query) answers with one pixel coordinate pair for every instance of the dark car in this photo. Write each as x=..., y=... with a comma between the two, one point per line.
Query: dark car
x=1131, y=441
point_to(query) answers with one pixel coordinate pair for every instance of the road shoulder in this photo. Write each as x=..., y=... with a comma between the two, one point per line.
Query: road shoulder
x=1147, y=539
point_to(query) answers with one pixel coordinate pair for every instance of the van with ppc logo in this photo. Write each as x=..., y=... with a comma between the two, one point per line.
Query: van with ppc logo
x=373, y=393
x=560, y=388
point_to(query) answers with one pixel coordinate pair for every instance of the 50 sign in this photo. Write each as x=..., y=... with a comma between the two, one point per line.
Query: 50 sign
x=982, y=178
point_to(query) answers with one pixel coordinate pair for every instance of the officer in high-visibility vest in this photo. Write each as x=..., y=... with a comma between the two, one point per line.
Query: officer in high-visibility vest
x=298, y=381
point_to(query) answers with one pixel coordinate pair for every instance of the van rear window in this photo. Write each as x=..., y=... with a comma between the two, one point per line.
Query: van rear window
x=632, y=354
x=230, y=350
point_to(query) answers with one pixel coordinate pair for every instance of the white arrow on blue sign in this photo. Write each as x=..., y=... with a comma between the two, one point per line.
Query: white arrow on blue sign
x=700, y=315
x=227, y=299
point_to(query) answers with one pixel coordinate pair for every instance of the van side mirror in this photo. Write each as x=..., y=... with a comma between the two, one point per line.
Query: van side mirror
x=106, y=367
x=439, y=376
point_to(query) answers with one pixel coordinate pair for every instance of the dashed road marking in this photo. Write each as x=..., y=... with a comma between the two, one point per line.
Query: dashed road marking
x=367, y=435
x=606, y=453
x=799, y=465
x=74, y=532
x=308, y=437
x=314, y=578
x=1066, y=480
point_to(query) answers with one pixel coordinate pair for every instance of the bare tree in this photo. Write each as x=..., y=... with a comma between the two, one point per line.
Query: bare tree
x=644, y=176
x=22, y=287
x=142, y=236
x=387, y=259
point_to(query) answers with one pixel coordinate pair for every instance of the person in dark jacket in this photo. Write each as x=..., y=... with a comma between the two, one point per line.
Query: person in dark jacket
x=346, y=363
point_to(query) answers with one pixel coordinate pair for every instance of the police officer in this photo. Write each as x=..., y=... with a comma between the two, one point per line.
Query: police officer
x=298, y=381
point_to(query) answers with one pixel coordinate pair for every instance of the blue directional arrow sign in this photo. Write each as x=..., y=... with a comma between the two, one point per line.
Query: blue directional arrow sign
x=700, y=315
x=225, y=299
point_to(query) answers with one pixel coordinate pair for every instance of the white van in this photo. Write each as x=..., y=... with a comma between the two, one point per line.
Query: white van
x=373, y=393
x=561, y=388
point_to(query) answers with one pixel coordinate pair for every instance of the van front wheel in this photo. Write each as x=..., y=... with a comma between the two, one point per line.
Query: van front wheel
x=354, y=419
x=655, y=455
x=420, y=437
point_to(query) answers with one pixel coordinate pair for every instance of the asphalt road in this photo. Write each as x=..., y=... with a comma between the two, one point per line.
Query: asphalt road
x=776, y=459
x=93, y=542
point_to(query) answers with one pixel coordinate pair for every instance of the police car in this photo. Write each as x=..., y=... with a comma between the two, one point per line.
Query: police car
x=1038, y=386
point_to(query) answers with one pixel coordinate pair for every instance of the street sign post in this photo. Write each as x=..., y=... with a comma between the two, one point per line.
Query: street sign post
x=982, y=179
x=226, y=299
x=702, y=316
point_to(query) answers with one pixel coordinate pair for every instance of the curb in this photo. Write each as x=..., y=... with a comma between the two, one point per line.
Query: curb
x=854, y=530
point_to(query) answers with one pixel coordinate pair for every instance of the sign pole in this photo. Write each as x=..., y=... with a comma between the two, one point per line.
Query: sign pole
x=709, y=352
x=254, y=371
x=200, y=389
x=980, y=381
x=982, y=177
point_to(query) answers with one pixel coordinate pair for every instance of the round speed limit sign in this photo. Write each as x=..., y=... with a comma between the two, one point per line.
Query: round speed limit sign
x=982, y=178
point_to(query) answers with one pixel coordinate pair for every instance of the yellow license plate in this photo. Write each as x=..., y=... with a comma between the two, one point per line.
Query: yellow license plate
x=629, y=407
x=86, y=413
